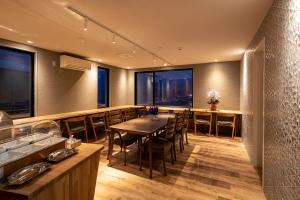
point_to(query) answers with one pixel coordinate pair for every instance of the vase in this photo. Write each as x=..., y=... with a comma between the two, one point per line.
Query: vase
x=213, y=107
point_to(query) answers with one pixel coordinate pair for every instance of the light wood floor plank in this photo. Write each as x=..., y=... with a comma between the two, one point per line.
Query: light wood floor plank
x=210, y=168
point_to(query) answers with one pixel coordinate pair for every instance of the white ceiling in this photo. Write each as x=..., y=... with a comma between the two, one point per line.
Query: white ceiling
x=205, y=29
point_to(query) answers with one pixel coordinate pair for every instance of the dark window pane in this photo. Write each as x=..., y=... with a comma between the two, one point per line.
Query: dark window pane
x=144, y=88
x=16, y=71
x=103, y=76
x=174, y=88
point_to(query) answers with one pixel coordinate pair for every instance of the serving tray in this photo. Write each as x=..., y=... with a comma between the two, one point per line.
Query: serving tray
x=27, y=173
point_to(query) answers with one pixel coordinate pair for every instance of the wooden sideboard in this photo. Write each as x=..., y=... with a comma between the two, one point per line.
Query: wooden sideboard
x=71, y=179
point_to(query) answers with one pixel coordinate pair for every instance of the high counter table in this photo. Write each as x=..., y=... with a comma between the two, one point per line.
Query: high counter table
x=62, y=116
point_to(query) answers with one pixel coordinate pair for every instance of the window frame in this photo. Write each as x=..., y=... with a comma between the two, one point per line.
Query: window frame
x=107, y=83
x=153, y=73
x=32, y=79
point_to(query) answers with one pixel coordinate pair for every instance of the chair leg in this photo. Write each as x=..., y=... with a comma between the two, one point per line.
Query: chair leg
x=174, y=151
x=95, y=134
x=124, y=155
x=180, y=146
x=217, y=130
x=140, y=153
x=186, y=138
x=171, y=151
x=182, y=143
x=121, y=148
x=195, y=129
x=233, y=132
x=209, y=134
x=86, y=137
x=164, y=163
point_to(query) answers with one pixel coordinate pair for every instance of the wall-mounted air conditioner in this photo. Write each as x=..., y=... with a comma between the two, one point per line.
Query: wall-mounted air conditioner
x=69, y=62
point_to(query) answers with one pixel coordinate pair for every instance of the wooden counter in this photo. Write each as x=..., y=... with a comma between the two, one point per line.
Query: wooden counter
x=71, y=179
x=178, y=109
x=69, y=115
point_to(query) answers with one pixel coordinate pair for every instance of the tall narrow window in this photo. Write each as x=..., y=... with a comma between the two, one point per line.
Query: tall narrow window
x=144, y=88
x=165, y=88
x=16, y=82
x=103, y=87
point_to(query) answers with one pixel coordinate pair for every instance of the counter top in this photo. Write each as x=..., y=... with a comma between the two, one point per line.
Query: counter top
x=68, y=115
x=237, y=112
x=55, y=173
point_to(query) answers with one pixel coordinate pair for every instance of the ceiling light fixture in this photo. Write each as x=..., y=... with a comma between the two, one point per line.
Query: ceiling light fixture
x=165, y=64
x=114, y=39
x=85, y=28
x=216, y=60
x=128, y=67
x=134, y=49
x=154, y=59
x=29, y=42
x=115, y=34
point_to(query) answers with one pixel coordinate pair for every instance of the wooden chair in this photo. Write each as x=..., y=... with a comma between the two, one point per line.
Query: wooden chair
x=178, y=136
x=76, y=125
x=122, y=139
x=142, y=111
x=228, y=120
x=163, y=143
x=97, y=121
x=130, y=114
x=185, y=129
x=203, y=118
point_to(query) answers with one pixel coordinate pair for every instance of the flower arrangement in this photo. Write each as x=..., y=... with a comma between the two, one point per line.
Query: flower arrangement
x=213, y=97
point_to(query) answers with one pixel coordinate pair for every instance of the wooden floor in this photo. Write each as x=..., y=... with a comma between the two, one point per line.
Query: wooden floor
x=210, y=168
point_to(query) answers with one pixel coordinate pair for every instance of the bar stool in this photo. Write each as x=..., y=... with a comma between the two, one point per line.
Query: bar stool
x=98, y=120
x=130, y=114
x=228, y=120
x=76, y=125
x=203, y=118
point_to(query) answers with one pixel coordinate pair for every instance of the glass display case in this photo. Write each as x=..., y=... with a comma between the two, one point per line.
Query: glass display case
x=20, y=145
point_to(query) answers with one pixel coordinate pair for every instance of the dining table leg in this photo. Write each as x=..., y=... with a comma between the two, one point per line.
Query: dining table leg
x=150, y=156
x=111, y=146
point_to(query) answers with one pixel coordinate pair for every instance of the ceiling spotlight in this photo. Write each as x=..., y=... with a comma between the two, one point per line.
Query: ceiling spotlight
x=165, y=64
x=128, y=67
x=134, y=50
x=114, y=39
x=154, y=59
x=216, y=60
x=28, y=41
x=85, y=24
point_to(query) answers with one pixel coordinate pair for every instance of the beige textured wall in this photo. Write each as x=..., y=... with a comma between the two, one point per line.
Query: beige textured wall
x=223, y=76
x=62, y=90
x=252, y=70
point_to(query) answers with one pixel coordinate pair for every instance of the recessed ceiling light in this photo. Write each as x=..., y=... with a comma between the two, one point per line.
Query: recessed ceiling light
x=28, y=41
x=85, y=24
x=128, y=67
x=165, y=64
x=216, y=60
x=114, y=39
x=99, y=60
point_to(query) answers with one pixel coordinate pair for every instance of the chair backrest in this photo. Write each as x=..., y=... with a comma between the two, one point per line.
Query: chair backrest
x=226, y=117
x=114, y=117
x=170, y=129
x=75, y=121
x=179, y=121
x=142, y=111
x=97, y=117
x=130, y=114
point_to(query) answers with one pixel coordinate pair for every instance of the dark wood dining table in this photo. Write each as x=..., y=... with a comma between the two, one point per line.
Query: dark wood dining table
x=145, y=126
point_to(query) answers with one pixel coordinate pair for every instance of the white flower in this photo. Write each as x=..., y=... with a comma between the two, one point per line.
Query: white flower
x=213, y=94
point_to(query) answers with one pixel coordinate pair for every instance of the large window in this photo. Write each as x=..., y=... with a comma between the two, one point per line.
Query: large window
x=16, y=82
x=103, y=87
x=164, y=88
